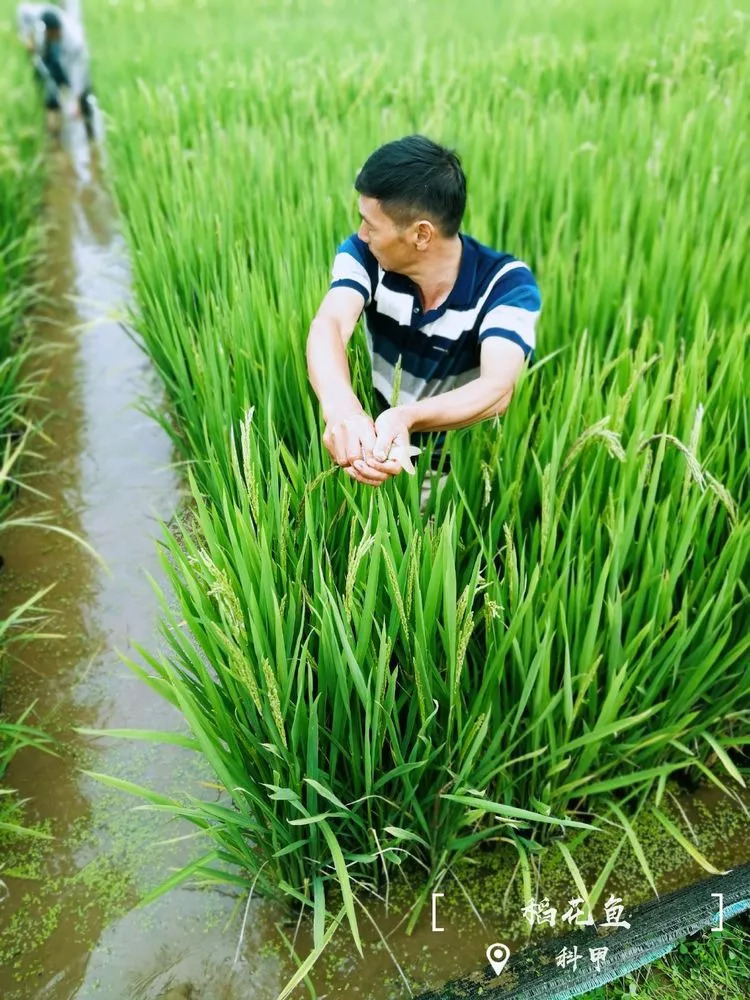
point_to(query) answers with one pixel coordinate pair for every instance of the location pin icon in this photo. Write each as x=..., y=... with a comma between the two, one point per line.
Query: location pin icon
x=497, y=956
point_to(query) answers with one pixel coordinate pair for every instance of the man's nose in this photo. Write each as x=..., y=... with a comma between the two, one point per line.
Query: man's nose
x=362, y=233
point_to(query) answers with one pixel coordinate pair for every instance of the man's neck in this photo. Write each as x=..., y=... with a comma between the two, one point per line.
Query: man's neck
x=437, y=273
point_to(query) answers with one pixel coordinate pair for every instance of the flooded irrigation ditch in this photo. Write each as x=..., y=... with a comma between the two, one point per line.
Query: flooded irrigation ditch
x=69, y=927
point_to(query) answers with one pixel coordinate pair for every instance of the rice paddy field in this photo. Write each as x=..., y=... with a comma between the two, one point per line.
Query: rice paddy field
x=564, y=631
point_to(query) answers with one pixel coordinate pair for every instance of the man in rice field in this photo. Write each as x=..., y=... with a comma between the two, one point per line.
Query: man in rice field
x=453, y=319
x=56, y=44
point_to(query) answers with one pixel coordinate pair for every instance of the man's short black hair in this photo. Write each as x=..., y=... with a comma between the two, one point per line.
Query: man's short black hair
x=415, y=176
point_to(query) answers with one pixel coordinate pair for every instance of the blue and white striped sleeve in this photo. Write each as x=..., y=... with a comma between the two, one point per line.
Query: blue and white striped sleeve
x=352, y=267
x=513, y=308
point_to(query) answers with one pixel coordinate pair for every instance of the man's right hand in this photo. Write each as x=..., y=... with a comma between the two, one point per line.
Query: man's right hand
x=349, y=436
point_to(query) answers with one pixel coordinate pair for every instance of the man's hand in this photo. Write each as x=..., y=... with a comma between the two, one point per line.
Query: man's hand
x=392, y=431
x=349, y=436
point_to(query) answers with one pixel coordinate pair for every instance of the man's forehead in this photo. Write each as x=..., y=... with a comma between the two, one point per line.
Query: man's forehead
x=369, y=208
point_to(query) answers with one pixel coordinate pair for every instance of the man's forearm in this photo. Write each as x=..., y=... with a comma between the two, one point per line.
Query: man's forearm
x=477, y=400
x=328, y=369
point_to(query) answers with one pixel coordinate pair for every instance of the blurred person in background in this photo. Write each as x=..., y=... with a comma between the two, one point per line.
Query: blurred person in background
x=56, y=44
x=457, y=317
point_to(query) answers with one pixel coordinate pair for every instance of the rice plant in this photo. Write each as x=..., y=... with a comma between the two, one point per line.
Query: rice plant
x=566, y=625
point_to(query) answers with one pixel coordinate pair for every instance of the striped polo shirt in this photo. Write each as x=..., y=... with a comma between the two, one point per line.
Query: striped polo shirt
x=495, y=295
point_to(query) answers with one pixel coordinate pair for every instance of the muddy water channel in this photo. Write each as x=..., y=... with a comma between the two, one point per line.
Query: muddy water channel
x=104, y=471
x=70, y=926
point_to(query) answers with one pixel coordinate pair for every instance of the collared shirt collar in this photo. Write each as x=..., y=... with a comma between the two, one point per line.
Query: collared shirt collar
x=461, y=293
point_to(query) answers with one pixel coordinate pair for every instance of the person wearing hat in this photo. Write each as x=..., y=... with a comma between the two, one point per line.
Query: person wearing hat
x=450, y=322
x=57, y=47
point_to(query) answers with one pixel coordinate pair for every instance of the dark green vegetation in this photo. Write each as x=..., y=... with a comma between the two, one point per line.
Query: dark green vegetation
x=21, y=179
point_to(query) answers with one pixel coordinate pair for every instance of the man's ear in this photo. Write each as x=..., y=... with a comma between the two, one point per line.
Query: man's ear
x=424, y=234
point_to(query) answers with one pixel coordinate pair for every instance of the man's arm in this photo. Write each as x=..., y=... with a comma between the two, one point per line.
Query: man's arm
x=506, y=338
x=488, y=395
x=349, y=434
x=327, y=365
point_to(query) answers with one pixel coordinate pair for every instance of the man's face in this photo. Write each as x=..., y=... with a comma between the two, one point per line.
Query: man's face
x=391, y=246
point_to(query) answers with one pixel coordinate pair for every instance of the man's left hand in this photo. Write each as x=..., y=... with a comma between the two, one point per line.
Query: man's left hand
x=391, y=431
